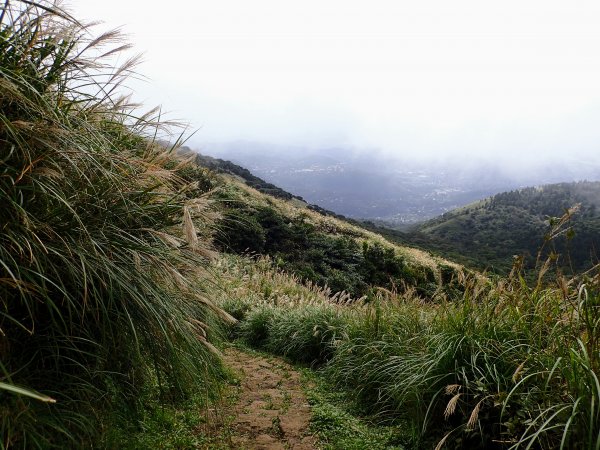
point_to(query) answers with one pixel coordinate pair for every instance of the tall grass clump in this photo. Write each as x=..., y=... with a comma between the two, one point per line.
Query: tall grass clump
x=95, y=294
x=306, y=334
x=505, y=366
x=280, y=314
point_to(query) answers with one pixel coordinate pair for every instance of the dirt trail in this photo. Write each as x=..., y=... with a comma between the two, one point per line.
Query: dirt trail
x=272, y=412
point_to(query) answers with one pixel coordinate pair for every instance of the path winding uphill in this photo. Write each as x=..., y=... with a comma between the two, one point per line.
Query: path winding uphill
x=272, y=412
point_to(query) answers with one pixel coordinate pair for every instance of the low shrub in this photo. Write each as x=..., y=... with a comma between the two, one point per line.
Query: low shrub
x=307, y=334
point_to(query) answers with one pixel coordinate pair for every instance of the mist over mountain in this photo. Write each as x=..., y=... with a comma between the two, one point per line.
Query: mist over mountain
x=396, y=190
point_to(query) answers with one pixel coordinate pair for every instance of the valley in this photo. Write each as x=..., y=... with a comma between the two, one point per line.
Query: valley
x=394, y=191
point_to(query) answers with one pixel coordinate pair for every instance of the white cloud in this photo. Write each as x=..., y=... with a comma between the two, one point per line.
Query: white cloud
x=429, y=77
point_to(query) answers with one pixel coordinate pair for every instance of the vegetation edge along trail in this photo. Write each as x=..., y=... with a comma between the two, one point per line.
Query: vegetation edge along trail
x=101, y=244
x=505, y=365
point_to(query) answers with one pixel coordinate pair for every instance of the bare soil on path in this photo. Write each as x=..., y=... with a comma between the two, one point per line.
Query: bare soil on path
x=272, y=412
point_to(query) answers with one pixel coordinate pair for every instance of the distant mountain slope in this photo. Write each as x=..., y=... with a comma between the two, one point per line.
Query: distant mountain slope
x=223, y=166
x=489, y=232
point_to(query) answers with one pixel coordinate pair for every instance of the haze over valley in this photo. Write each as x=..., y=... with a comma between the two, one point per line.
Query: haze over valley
x=372, y=185
x=470, y=98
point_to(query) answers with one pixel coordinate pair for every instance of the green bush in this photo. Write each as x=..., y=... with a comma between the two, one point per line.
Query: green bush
x=256, y=327
x=334, y=261
x=307, y=334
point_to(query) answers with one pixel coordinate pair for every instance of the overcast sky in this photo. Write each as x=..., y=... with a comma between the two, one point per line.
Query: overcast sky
x=508, y=79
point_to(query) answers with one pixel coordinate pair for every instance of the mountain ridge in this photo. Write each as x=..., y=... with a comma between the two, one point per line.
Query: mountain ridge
x=487, y=234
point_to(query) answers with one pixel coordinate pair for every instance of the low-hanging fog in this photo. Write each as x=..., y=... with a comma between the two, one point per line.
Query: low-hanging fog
x=510, y=86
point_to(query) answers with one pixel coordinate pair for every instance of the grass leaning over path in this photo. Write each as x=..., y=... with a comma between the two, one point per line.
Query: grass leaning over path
x=96, y=303
x=505, y=365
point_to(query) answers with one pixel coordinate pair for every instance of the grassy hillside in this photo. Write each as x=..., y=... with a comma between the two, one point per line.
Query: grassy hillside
x=487, y=234
x=321, y=248
x=99, y=301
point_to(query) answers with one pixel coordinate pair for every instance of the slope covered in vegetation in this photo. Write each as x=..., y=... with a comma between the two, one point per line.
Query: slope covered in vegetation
x=503, y=365
x=487, y=234
x=321, y=248
x=472, y=363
